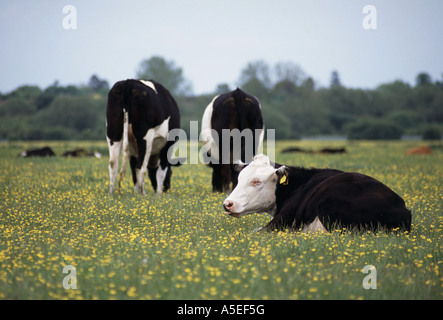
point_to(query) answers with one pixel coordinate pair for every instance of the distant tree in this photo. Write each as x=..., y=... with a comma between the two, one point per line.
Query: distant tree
x=405, y=119
x=222, y=88
x=71, y=114
x=436, y=107
x=291, y=104
x=165, y=72
x=288, y=71
x=335, y=79
x=284, y=87
x=425, y=97
x=16, y=118
x=276, y=120
x=309, y=84
x=255, y=79
x=258, y=72
x=340, y=106
x=15, y=107
x=51, y=92
x=374, y=129
x=423, y=79
x=29, y=93
x=397, y=95
x=440, y=83
x=431, y=133
x=96, y=84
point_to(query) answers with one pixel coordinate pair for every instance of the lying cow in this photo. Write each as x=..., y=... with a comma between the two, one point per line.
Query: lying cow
x=81, y=153
x=40, y=152
x=315, y=199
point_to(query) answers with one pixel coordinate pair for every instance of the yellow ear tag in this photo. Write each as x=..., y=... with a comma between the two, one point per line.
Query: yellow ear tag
x=283, y=180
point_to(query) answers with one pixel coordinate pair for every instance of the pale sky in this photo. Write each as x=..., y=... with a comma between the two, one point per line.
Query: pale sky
x=213, y=40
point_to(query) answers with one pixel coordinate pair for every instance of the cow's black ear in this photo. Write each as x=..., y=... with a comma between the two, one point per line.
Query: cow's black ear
x=239, y=165
x=282, y=174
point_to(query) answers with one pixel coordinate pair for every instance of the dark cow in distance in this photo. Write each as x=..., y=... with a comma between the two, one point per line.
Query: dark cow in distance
x=315, y=199
x=81, y=153
x=321, y=151
x=239, y=113
x=39, y=152
x=139, y=115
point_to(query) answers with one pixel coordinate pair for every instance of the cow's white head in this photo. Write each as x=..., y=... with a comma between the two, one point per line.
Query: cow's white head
x=255, y=191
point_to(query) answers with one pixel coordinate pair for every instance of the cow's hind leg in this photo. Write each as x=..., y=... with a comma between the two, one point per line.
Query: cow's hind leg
x=133, y=164
x=114, y=153
x=125, y=156
x=162, y=174
x=160, y=177
x=144, y=149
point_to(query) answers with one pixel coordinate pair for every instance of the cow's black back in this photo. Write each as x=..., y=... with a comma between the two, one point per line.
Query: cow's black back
x=339, y=199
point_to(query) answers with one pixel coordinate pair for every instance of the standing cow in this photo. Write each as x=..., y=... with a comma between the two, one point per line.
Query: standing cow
x=139, y=115
x=232, y=129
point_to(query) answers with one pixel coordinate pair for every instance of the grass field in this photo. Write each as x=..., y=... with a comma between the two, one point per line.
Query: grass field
x=56, y=212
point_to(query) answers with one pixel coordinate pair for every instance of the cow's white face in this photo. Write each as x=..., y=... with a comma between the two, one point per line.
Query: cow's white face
x=255, y=191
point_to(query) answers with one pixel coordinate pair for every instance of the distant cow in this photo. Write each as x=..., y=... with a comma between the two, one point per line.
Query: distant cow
x=315, y=199
x=234, y=111
x=332, y=150
x=419, y=150
x=139, y=116
x=324, y=150
x=81, y=153
x=40, y=152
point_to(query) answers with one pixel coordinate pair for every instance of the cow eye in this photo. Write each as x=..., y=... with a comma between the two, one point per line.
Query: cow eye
x=255, y=182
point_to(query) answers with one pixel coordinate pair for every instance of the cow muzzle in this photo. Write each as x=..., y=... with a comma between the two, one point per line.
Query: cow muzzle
x=229, y=207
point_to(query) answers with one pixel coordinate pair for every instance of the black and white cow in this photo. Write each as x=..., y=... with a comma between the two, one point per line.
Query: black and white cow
x=228, y=114
x=40, y=152
x=315, y=199
x=139, y=116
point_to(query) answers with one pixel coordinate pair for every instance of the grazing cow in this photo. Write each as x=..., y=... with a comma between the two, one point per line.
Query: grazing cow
x=235, y=117
x=139, y=116
x=315, y=199
x=40, y=152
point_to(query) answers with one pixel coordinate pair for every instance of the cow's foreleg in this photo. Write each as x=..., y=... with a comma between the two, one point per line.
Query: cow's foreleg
x=141, y=172
x=114, y=153
x=125, y=150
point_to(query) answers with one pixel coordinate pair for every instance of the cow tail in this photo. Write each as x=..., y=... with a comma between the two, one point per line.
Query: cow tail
x=126, y=110
x=239, y=98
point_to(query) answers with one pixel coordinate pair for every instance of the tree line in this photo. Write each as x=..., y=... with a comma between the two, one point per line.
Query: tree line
x=292, y=104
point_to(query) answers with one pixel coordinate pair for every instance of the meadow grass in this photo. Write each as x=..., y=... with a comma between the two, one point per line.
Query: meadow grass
x=57, y=211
